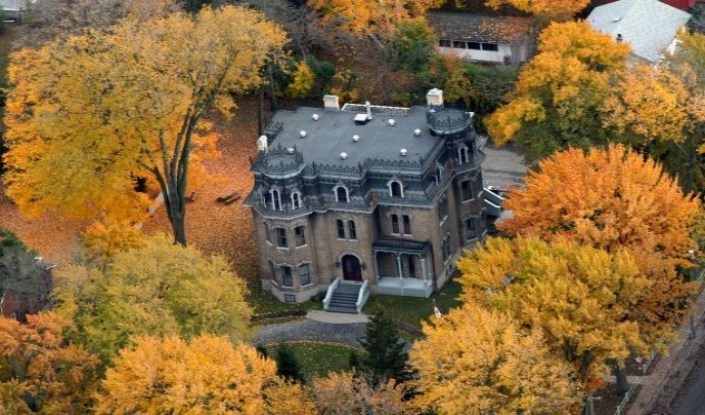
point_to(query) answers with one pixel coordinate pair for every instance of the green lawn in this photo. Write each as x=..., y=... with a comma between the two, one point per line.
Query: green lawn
x=318, y=359
x=413, y=310
x=263, y=302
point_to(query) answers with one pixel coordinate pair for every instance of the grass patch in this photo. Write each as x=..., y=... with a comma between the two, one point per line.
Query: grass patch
x=264, y=302
x=414, y=310
x=318, y=359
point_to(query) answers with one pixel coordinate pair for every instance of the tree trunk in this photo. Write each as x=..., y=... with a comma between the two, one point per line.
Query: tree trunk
x=621, y=375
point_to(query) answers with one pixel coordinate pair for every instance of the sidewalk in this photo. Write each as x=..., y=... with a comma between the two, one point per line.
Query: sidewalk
x=336, y=318
x=659, y=388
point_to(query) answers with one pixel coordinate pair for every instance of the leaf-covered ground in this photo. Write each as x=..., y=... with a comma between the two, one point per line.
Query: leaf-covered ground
x=211, y=226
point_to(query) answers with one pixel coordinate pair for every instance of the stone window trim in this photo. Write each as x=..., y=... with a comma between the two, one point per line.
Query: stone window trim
x=352, y=230
x=300, y=237
x=439, y=173
x=296, y=200
x=463, y=154
x=467, y=190
x=281, y=238
x=340, y=229
x=298, y=270
x=276, y=198
x=468, y=233
x=267, y=233
x=396, y=188
x=442, y=210
x=273, y=271
x=287, y=279
x=342, y=193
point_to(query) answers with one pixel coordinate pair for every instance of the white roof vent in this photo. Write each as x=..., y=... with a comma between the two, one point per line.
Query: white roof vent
x=403, y=151
x=356, y=138
x=302, y=134
x=391, y=122
x=417, y=132
x=290, y=150
x=361, y=119
x=343, y=155
x=314, y=117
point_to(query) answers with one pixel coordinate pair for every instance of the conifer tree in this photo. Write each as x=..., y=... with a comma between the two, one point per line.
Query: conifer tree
x=385, y=358
x=288, y=365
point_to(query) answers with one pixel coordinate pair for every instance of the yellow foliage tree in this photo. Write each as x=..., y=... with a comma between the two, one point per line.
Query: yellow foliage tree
x=159, y=289
x=304, y=79
x=649, y=103
x=207, y=375
x=614, y=199
x=89, y=114
x=40, y=372
x=580, y=297
x=371, y=17
x=475, y=361
x=347, y=394
x=545, y=9
x=554, y=103
x=105, y=239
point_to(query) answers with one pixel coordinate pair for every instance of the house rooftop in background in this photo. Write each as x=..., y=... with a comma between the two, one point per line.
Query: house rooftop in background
x=650, y=26
x=483, y=38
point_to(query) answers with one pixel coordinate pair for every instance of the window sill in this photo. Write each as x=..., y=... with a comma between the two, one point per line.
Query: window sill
x=301, y=246
x=283, y=248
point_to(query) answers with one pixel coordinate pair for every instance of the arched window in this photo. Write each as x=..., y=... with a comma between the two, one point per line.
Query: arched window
x=276, y=199
x=341, y=194
x=267, y=199
x=463, y=155
x=439, y=172
x=296, y=200
x=396, y=189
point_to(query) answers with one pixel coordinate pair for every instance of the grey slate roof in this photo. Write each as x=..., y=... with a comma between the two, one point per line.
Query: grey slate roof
x=648, y=25
x=332, y=134
x=478, y=28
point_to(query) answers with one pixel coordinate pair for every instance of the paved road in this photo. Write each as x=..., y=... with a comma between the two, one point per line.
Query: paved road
x=347, y=334
x=691, y=398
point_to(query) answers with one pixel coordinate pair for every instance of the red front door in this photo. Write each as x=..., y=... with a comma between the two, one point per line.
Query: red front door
x=352, y=271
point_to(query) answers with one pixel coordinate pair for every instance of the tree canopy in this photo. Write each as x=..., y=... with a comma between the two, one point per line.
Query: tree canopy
x=90, y=114
x=556, y=101
x=159, y=290
x=614, y=199
x=40, y=372
x=477, y=361
x=579, y=297
x=207, y=375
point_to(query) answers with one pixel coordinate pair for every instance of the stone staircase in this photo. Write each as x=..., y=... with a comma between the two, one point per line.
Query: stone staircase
x=344, y=299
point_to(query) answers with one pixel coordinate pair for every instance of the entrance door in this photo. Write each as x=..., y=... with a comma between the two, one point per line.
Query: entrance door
x=351, y=268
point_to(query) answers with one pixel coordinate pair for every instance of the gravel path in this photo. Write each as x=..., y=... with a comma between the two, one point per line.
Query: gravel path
x=347, y=334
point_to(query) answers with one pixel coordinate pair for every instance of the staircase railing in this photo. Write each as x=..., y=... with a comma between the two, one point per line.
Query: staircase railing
x=329, y=294
x=362, y=296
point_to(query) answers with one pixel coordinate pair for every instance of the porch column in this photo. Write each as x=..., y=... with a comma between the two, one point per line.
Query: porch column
x=374, y=259
x=399, y=271
x=422, y=258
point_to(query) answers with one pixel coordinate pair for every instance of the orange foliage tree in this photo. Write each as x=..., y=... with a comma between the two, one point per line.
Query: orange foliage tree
x=90, y=114
x=614, y=199
x=349, y=394
x=544, y=9
x=580, y=297
x=40, y=372
x=559, y=92
x=478, y=361
x=371, y=17
x=207, y=375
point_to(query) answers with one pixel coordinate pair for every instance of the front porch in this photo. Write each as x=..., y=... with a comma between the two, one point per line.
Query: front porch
x=403, y=267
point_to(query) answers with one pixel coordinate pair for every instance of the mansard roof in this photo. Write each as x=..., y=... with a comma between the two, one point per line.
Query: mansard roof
x=330, y=133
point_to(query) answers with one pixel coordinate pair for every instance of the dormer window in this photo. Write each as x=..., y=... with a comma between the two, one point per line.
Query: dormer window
x=463, y=155
x=341, y=194
x=296, y=200
x=439, y=172
x=395, y=189
x=276, y=201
